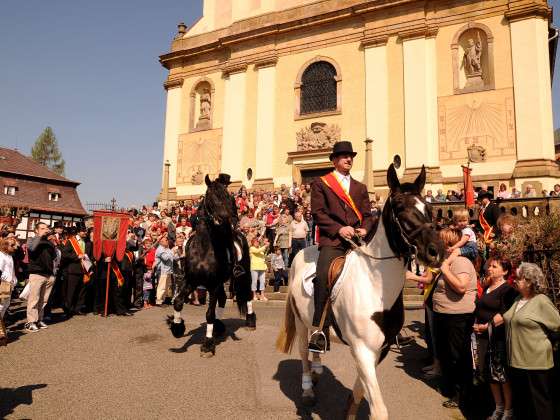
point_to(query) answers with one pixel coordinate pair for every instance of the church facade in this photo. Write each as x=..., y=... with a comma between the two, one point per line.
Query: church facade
x=261, y=89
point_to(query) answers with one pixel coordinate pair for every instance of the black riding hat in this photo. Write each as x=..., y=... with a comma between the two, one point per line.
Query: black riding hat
x=224, y=179
x=485, y=194
x=342, y=148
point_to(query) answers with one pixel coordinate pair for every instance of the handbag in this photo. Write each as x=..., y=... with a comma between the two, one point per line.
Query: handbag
x=5, y=289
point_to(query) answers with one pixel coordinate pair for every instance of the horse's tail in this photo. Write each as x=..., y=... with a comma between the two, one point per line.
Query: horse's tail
x=286, y=335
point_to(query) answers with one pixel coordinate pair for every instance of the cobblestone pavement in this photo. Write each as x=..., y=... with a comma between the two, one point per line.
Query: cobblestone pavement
x=131, y=367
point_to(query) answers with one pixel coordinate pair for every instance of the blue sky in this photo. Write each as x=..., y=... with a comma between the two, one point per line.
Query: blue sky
x=89, y=69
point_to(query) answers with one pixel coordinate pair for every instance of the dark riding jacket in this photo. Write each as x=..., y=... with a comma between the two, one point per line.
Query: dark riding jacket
x=330, y=213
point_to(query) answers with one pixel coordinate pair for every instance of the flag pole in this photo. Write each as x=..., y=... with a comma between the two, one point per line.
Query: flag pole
x=107, y=287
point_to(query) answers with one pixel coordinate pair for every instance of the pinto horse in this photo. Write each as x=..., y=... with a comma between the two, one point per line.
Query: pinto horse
x=368, y=309
x=212, y=259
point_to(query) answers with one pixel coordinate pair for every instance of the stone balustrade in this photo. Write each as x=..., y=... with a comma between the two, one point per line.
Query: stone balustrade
x=520, y=207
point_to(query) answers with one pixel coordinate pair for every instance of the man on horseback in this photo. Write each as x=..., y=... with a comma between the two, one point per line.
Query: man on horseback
x=341, y=209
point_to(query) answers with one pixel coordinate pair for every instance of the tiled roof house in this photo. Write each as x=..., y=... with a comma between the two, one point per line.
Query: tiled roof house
x=26, y=184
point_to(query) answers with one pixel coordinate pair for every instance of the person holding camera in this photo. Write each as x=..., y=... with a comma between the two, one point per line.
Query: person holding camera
x=41, y=276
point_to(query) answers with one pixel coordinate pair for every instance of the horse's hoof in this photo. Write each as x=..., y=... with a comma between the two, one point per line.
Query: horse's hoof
x=251, y=322
x=208, y=348
x=315, y=378
x=309, y=401
x=177, y=328
x=219, y=328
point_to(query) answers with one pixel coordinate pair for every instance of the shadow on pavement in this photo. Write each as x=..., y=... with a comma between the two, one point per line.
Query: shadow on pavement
x=10, y=398
x=196, y=335
x=331, y=395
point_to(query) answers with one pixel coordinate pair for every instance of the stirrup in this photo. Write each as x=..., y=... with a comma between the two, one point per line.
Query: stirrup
x=313, y=346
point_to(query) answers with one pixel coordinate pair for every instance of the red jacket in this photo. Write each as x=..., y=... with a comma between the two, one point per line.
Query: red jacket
x=331, y=213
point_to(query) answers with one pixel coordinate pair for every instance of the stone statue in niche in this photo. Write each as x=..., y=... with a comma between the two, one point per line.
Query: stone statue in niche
x=472, y=62
x=205, y=109
x=317, y=136
x=471, y=59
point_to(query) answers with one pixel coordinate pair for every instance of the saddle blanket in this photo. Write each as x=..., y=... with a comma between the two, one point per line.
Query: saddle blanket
x=309, y=275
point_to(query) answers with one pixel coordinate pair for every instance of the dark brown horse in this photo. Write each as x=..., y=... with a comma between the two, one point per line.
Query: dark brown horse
x=212, y=260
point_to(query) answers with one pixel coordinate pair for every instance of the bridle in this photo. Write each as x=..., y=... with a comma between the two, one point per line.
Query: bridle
x=404, y=237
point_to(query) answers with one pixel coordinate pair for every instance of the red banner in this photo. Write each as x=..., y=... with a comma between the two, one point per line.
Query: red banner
x=109, y=234
x=468, y=186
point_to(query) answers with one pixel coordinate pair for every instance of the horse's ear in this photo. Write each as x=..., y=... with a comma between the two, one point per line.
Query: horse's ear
x=207, y=180
x=420, y=180
x=392, y=179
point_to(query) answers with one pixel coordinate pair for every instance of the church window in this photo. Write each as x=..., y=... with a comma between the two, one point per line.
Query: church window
x=318, y=88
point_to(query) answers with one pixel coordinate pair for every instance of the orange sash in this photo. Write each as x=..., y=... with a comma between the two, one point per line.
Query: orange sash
x=79, y=253
x=117, y=271
x=130, y=256
x=334, y=184
x=488, y=230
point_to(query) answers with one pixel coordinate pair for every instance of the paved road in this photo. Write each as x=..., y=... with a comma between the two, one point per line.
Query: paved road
x=132, y=367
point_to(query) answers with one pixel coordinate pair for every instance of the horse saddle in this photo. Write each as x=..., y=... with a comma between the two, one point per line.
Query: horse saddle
x=334, y=270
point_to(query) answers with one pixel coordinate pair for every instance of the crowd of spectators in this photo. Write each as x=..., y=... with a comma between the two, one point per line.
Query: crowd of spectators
x=489, y=325
x=502, y=193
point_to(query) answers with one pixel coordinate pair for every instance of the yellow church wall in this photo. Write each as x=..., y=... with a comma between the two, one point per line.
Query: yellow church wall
x=349, y=58
x=260, y=125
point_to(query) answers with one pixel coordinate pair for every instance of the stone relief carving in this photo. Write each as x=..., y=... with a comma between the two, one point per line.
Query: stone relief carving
x=199, y=154
x=317, y=136
x=485, y=119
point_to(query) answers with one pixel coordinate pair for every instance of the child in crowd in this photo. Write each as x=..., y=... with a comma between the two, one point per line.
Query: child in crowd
x=466, y=247
x=147, y=287
x=279, y=269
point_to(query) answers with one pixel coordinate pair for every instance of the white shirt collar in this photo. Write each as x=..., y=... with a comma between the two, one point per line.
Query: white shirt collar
x=340, y=176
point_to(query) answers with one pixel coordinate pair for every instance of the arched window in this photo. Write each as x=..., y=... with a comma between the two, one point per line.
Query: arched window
x=318, y=88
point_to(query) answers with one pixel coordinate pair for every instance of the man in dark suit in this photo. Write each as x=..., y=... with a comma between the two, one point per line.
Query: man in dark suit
x=488, y=215
x=341, y=209
x=73, y=256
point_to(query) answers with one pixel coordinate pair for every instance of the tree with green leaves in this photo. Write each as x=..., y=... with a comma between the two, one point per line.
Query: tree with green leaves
x=45, y=151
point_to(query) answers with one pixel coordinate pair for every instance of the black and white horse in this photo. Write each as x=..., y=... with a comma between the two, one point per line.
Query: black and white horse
x=212, y=259
x=368, y=308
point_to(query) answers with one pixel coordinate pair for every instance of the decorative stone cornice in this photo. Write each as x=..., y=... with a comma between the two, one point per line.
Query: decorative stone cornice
x=528, y=11
x=374, y=41
x=173, y=83
x=266, y=61
x=418, y=32
x=232, y=68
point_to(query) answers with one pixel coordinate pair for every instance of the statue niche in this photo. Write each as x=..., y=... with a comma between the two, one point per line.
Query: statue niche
x=472, y=50
x=201, y=106
x=317, y=136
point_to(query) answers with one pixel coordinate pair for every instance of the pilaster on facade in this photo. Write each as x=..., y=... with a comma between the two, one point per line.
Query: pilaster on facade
x=420, y=101
x=377, y=101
